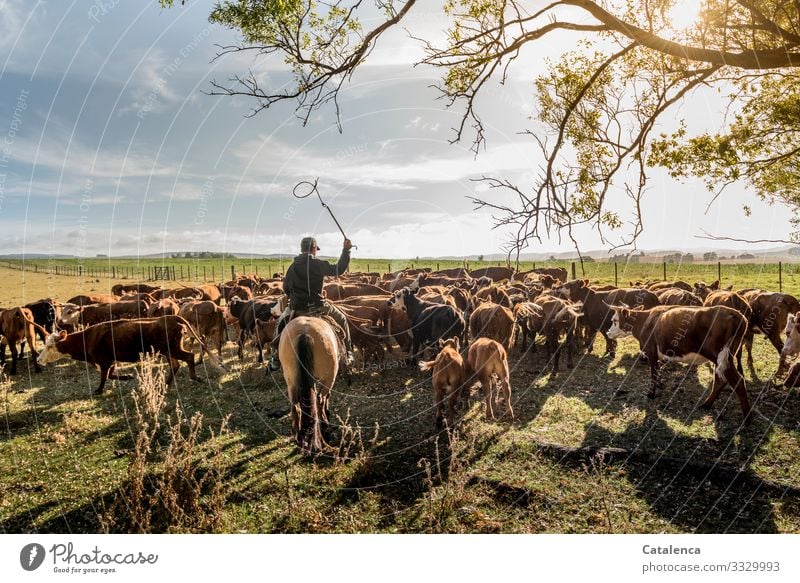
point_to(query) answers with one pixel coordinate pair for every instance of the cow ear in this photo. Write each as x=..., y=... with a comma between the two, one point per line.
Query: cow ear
x=440, y=343
x=62, y=334
x=457, y=343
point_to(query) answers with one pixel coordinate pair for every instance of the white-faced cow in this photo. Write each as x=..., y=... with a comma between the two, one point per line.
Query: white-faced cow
x=691, y=335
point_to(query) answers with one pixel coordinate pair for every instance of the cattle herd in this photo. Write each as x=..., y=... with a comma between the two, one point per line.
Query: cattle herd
x=466, y=321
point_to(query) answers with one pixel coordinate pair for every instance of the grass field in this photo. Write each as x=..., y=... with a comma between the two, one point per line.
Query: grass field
x=66, y=459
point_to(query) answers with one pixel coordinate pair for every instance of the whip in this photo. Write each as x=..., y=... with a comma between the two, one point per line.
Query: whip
x=312, y=186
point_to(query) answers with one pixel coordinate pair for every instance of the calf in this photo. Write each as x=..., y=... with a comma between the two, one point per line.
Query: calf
x=448, y=378
x=429, y=322
x=16, y=326
x=487, y=361
x=106, y=344
x=692, y=335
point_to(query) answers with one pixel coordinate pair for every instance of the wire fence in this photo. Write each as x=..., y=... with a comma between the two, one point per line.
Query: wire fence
x=778, y=276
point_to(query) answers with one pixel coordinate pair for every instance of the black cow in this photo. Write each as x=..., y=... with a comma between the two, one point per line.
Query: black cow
x=430, y=322
x=246, y=314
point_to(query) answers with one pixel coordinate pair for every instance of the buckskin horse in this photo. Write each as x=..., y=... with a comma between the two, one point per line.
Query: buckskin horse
x=309, y=352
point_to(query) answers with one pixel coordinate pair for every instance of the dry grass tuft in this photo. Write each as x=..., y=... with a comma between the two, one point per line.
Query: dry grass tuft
x=174, y=487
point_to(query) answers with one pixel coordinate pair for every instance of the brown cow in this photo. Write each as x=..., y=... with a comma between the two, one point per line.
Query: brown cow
x=771, y=313
x=662, y=285
x=85, y=300
x=496, y=295
x=97, y=313
x=487, y=361
x=529, y=318
x=692, y=335
x=106, y=344
x=596, y=307
x=678, y=297
x=448, y=378
x=738, y=303
x=121, y=289
x=211, y=293
x=490, y=320
x=208, y=320
x=558, y=317
x=496, y=273
x=167, y=307
x=702, y=289
x=17, y=326
x=338, y=291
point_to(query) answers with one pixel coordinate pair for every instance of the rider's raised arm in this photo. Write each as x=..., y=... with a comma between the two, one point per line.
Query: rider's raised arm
x=339, y=268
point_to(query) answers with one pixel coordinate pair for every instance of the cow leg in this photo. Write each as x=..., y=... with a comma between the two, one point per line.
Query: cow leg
x=611, y=345
x=654, y=376
x=570, y=343
x=12, y=346
x=174, y=365
x=748, y=344
x=589, y=341
x=104, y=370
x=736, y=381
x=188, y=358
x=775, y=339
x=554, y=348
x=716, y=387
x=486, y=384
x=505, y=387
x=240, y=342
x=117, y=377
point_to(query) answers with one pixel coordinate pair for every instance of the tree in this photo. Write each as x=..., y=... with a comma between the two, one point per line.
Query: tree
x=480, y=257
x=710, y=256
x=599, y=103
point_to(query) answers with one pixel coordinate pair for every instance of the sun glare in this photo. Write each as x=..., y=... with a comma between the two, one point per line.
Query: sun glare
x=685, y=13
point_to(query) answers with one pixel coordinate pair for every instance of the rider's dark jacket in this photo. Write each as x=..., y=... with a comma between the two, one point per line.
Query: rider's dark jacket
x=303, y=280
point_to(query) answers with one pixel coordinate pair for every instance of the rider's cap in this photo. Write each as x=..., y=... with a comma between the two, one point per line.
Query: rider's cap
x=307, y=243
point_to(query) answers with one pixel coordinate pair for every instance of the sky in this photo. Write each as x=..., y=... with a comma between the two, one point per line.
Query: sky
x=110, y=144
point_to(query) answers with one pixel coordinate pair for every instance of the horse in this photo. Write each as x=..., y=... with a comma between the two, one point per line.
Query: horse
x=309, y=351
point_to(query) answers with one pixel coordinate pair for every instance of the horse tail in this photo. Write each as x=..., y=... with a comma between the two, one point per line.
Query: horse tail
x=305, y=366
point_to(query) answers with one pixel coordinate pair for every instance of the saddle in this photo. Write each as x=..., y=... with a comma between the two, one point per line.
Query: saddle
x=317, y=312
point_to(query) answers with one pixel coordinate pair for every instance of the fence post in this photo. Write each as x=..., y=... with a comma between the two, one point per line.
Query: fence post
x=181, y=272
x=204, y=273
x=389, y=266
x=780, y=276
x=573, y=271
x=719, y=271
x=213, y=273
x=233, y=273
x=665, y=270
x=616, y=279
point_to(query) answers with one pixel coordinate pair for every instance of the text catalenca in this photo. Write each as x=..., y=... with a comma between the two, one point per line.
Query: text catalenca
x=670, y=550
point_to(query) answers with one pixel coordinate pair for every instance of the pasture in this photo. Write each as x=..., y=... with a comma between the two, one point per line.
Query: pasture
x=587, y=453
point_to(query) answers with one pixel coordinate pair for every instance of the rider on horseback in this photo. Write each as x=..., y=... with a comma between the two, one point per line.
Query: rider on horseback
x=303, y=284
